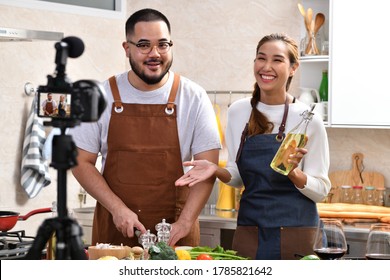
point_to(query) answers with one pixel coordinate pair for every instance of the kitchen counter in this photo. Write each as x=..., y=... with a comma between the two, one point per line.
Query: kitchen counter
x=217, y=228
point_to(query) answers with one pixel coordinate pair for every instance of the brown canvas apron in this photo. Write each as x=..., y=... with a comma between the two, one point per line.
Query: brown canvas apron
x=295, y=242
x=49, y=108
x=143, y=162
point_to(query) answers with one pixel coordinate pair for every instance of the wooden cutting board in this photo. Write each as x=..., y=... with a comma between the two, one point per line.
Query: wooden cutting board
x=357, y=176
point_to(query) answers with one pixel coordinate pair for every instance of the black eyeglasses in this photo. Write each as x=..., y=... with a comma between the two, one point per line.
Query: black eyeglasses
x=146, y=47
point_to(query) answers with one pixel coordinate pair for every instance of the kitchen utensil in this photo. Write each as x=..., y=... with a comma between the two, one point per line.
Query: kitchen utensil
x=302, y=10
x=318, y=22
x=355, y=177
x=308, y=19
x=329, y=241
x=8, y=219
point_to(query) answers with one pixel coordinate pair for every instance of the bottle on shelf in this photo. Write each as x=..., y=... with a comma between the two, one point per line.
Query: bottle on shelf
x=323, y=92
x=296, y=138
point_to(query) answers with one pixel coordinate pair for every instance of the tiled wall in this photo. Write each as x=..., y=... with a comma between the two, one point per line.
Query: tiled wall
x=214, y=42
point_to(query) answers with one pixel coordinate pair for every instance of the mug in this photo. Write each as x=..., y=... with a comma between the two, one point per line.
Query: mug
x=308, y=95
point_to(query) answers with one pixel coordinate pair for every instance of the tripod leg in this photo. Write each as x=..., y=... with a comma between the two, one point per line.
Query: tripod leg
x=69, y=244
x=44, y=233
x=76, y=247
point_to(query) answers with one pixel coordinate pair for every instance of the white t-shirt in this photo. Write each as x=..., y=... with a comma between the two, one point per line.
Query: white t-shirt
x=196, y=120
x=315, y=164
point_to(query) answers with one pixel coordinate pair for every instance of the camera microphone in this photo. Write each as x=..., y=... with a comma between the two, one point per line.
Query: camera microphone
x=68, y=47
x=75, y=46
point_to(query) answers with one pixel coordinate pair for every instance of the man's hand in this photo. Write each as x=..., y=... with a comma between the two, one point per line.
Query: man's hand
x=126, y=220
x=178, y=231
x=202, y=170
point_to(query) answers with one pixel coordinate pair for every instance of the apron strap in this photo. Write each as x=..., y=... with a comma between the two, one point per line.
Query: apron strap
x=279, y=137
x=172, y=96
x=171, y=99
x=116, y=95
x=243, y=136
x=282, y=126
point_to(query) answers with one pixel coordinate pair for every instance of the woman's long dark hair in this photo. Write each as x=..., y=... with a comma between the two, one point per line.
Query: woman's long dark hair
x=258, y=122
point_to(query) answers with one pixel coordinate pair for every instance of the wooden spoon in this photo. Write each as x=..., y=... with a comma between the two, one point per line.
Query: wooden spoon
x=319, y=21
x=302, y=10
x=308, y=23
x=308, y=19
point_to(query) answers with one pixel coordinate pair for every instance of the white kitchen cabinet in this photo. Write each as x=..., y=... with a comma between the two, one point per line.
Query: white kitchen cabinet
x=357, y=49
x=359, y=75
x=311, y=66
x=210, y=236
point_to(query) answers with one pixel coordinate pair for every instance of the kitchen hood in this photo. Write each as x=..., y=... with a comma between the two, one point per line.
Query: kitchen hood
x=25, y=35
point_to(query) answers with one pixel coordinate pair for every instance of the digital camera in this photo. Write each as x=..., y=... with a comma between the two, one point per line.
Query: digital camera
x=70, y=103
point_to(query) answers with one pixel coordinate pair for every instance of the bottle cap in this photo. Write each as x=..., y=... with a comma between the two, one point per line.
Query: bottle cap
x=345, y=187
x=369, y=188
x=357, y=187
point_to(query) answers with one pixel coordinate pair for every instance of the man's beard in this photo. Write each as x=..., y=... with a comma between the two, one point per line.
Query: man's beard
x=147, y=79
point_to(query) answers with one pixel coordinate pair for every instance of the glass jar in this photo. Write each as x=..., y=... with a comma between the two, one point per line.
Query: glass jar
x=357, y=194
x=380, y=196
x=346, y=194
x=369, y=198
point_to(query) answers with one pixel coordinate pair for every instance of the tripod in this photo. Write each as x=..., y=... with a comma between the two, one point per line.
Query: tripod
x=68, y=232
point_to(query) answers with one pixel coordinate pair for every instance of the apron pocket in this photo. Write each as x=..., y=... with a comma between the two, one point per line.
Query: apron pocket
x=141, y=168
x=246, y=241
x=296, y=242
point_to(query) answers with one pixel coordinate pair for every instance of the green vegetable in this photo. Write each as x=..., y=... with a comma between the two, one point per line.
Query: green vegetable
x=217, y=253
x=161, y=251
x=310, y=257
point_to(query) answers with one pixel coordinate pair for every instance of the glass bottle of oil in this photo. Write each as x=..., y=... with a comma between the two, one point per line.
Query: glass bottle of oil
x=296, y=138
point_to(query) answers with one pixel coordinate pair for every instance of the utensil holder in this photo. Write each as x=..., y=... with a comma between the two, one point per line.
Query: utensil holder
x=311, y=45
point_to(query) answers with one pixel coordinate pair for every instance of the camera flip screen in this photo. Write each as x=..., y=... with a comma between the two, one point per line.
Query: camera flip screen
x=54, y=105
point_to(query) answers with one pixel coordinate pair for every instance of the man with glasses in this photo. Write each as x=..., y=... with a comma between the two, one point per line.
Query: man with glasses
x=157, y=120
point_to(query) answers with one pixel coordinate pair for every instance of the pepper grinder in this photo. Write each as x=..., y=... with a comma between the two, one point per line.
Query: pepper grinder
x=163, y=231
x=147, y=240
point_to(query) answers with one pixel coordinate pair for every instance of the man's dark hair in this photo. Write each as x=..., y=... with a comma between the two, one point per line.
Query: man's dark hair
x=146, y=15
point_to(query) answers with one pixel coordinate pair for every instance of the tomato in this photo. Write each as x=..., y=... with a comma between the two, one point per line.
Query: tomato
x=86, y=253
x=205, y=257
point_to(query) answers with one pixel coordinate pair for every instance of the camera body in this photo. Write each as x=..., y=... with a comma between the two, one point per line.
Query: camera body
x=81, y=101
x=68, y=104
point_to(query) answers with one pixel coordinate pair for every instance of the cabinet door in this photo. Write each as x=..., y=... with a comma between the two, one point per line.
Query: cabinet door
x=360, y=57
x=210, y=237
